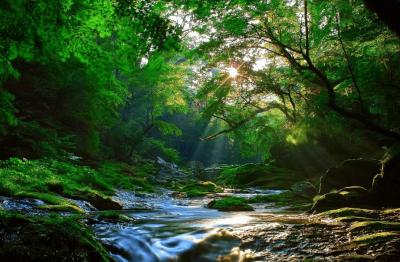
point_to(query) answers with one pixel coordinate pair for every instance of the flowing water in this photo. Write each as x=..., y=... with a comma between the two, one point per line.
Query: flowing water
x=184, y=230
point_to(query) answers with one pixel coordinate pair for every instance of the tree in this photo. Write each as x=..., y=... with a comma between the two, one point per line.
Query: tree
x=82, y=46
x=318, y=55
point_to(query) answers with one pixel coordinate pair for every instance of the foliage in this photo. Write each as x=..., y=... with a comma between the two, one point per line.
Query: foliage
x=307, y=69
x=266, y=176
x=44, y=179
x=61, y=71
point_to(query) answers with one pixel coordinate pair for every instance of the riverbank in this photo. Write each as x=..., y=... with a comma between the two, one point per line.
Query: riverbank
x=182, y=227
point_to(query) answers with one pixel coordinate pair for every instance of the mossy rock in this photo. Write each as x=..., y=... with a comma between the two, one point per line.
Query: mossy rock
x=354, y=219
x=386, y=186
x=352, y=172
x=261, y=175
x=100, y=202
x=200, y=188
x=375, y=225
x=355, y=197
x=304, y=189
x=66, y=208
x=285, y=199
x=112, y=215
x=48, y=238
x=347, y=212
x=230, y=204
x=376, y=238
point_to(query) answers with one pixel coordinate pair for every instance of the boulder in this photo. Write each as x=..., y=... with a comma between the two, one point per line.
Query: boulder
x=355, y=197
x=304, y=189
x=352, y=172
x=99, y=202
x=386, y=186
x=230, y=204
x=103, y=203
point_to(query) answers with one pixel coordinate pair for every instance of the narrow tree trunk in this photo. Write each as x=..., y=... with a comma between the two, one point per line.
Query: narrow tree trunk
x=135, y=145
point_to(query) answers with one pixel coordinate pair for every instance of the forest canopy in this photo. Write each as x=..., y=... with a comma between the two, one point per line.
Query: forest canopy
x=122, y=79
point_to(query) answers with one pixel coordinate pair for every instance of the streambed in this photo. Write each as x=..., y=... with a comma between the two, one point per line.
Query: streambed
x=184, y=230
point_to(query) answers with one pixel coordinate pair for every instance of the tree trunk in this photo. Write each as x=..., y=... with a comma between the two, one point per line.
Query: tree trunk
x=135, y=145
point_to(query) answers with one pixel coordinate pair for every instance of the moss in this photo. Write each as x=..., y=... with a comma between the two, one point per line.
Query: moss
x=200, y=188
x=347, y=212
x=391, y=211
x=45, y=179
x=231, y=204
x=373, y=225
x=114, y=216
x=196, y=193
x=286, y=199
x=51, y=238
x=46, y=197
x=375, y=238
x=264, y=176
x=67, y=208
x=353, y=219
x=316, y=198
x=354, y=197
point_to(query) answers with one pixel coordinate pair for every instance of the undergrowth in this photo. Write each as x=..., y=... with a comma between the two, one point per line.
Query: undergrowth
x=201, y=188
x=264, y=176
x=45, y=179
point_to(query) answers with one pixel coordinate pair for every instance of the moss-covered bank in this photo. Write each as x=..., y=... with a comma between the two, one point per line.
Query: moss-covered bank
x=46, y=179
x=51, y=238
x=200, y=188
x=264, y=176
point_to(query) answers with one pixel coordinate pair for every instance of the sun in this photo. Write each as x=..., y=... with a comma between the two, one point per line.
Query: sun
x=232, y=72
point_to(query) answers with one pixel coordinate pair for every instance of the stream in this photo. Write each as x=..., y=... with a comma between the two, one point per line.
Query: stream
x=184, y=230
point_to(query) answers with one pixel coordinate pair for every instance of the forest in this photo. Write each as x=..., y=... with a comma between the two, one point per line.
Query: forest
x=279, y=116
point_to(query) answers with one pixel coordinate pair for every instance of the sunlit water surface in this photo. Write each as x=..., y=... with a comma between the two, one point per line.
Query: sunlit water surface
x=183, y=230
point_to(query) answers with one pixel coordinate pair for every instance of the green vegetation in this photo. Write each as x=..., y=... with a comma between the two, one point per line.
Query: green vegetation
x=44, y=179
x=347, y=212
x=113, y=216
x=200, y=188
x=375, y=225
x=265, y=176
x=67, y=208
x=51, y=238
x=376, y=238
x=231, y=204
x=285, y=199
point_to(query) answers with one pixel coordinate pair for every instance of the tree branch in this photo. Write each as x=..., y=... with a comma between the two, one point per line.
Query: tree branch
x=348, y=64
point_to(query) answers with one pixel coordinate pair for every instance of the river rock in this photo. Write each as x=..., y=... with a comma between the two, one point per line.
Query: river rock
x=386, y=186
x=356, y=197
x=100, y=202
x=304, y=189
x=352, y=172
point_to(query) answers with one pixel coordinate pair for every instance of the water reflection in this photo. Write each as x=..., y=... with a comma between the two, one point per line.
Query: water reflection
x=182, y=231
